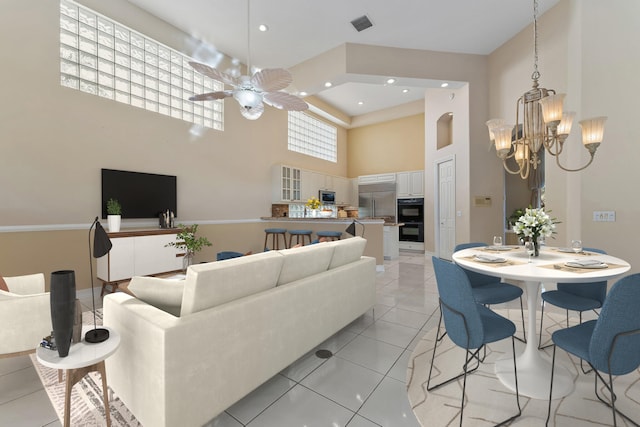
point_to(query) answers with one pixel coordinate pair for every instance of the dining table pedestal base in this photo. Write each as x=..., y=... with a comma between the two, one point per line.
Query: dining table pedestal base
x=534, y=369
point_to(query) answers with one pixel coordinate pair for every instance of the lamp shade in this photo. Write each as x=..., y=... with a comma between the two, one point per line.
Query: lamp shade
x=552, y=108
x=351, y=229
x=101, y=242
x=492, y=124
x=592, y=130
x=564, y=128
x=503, y=138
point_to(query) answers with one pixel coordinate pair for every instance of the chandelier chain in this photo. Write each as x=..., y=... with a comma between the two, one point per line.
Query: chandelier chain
x=536, y=73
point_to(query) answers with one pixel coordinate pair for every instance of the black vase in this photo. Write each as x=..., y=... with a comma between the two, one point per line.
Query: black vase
x=63, y=304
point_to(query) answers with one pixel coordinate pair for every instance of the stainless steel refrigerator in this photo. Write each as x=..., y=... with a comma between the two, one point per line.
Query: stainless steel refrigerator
x=377, y=200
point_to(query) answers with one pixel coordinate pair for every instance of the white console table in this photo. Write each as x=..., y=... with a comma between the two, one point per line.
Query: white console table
x=138, y=253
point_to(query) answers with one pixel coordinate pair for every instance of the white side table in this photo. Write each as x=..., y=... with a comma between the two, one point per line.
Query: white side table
x=83, y=358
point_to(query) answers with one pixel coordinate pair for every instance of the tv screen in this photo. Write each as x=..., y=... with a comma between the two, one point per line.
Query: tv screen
x=141, y=195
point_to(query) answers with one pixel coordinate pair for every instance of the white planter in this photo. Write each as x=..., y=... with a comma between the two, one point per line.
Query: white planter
x=113, y=223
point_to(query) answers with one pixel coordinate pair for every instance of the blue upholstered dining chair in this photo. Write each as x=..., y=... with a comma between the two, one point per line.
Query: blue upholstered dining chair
x=576, y=297
x=468, y=324
x=489, y=290
x=610, y=344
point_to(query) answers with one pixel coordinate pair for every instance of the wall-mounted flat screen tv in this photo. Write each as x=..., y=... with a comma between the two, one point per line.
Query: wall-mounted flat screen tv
x=141, y=195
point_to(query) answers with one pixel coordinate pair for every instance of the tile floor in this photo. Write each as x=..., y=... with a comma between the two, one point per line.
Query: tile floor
x=362, y=385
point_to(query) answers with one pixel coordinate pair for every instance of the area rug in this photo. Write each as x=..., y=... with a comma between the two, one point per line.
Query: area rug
x=489, y=401
x=87, y=406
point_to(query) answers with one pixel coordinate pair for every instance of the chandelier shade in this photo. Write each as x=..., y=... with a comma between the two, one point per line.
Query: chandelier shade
x=540, y=122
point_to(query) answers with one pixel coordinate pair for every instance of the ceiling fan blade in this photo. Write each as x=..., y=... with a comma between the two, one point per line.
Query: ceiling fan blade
x=213, y=73
x=252, y=113
x=271, y=79
x=211, y=96
x=285, y=101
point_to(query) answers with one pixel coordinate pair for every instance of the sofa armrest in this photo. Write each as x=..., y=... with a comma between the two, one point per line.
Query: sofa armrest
x=26, y=285
x=137, y=370
x=25, y=320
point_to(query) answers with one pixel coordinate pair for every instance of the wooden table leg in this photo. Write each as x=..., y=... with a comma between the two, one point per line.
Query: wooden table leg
x=75, y=375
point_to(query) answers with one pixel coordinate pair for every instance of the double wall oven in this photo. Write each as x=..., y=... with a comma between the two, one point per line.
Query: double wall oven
x=411, y=213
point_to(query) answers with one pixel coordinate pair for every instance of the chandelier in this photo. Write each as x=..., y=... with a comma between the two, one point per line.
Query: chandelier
x=540, y=122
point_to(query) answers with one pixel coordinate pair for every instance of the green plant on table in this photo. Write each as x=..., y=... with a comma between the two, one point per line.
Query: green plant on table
x=113, y=207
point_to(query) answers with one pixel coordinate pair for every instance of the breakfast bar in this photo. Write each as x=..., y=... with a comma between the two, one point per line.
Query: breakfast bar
x=369, y=228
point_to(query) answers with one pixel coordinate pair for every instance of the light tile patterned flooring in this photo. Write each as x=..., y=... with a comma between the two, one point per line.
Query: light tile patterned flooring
x=363, y=385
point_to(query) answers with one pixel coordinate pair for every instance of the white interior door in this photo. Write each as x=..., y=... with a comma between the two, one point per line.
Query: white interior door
x=446, y=207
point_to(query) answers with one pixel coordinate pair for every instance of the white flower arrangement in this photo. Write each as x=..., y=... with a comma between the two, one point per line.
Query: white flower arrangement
x=535, y=223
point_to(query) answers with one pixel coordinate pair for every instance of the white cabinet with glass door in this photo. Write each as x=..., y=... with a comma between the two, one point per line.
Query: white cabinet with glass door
x=286, y=184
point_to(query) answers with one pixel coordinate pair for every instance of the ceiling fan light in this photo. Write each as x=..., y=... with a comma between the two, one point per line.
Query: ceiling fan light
x=247, y=98
x=252, y=113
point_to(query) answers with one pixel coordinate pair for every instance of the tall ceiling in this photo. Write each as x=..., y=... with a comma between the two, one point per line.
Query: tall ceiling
x=303, y=29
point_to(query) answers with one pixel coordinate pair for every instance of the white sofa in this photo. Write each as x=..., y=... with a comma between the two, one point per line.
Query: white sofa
x=25, y=314
x=241, y=321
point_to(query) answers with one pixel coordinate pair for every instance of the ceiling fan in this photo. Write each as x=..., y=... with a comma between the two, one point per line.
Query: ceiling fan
x=264, y=87
x=252, y=92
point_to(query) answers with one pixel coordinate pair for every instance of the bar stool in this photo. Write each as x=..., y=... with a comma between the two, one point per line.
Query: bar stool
x=329, y=235
x=300, y=234
x=275, y=234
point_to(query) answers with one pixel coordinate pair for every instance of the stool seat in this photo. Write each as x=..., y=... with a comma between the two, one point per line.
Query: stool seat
x=275, y=234
x=275, y=230
x=333, y=235
x=300, y=234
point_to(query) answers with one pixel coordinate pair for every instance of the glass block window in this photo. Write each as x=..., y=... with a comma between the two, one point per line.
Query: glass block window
x=313, y=137
x=104, y=58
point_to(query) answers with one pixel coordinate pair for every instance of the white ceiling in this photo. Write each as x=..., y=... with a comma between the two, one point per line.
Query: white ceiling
x=303, y=29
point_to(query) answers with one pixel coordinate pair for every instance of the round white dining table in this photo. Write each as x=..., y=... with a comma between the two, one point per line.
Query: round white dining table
x=534, y=368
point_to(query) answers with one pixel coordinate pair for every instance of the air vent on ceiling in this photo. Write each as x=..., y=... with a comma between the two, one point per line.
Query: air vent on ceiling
x=361, y=23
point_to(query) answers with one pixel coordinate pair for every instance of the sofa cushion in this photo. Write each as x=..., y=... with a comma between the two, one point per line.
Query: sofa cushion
x=347, y=251
x=304, y=261
x=215, y=283
x=165, y=294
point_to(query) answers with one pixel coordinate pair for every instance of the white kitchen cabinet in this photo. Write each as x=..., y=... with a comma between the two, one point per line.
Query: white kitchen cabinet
x=341, y=187
x=390, y=242
x=410, y=184
x=286, y=183
x=139, y=253
x=373, y=179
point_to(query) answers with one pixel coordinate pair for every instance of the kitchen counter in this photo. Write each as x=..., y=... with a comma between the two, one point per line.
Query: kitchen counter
x=322, y=218
x=370, y=228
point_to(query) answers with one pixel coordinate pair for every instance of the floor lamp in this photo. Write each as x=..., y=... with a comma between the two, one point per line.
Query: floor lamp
x=101, y=246
x=351, y=229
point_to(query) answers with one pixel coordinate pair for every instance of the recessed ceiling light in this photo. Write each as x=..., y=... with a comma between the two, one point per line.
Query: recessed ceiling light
x=391, y=81
x=328, y=84
x=360, y=103
x=263, y=28
x=405, y=90
x=445, y=84
x=303, y=93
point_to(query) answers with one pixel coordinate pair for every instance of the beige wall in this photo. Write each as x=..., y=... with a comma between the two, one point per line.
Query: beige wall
x=391, y=146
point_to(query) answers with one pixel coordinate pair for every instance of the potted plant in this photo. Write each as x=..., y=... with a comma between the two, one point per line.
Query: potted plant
x=114, y=215
x=186, y=239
